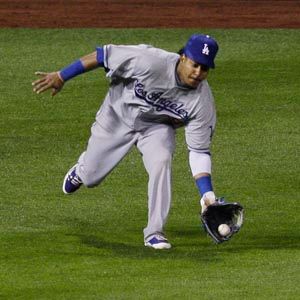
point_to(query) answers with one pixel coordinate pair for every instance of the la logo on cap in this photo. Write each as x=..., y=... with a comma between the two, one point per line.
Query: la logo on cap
x=205, y=50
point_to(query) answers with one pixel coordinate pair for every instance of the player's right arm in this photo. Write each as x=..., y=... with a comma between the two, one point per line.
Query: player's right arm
x=119, y=60
x=56, y=80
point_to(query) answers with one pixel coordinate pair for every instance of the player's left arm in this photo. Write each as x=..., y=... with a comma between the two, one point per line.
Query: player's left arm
x=56, y=80
x=199, y=133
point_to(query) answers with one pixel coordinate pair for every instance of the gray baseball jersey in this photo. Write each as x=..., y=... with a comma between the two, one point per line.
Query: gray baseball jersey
x=143, y=107
x=152, y=93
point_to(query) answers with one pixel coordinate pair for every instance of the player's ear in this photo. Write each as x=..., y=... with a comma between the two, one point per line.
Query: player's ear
x=182, y=58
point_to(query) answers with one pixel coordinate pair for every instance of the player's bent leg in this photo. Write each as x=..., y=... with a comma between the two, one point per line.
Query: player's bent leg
x=104, y=151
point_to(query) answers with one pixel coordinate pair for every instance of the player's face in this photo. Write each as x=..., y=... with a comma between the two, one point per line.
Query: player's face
x=190, y=72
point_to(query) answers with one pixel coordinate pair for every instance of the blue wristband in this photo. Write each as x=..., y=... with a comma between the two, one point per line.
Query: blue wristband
x=74, y=69
x=204, y=184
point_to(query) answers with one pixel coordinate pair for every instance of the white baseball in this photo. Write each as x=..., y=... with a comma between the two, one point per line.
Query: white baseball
x=224, y=229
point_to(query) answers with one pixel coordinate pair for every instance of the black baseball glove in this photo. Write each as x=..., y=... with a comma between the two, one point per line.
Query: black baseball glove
x=219, y=213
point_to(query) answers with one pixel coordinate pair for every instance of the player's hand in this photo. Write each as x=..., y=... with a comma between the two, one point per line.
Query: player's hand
x=207, y=199
x=48, y=81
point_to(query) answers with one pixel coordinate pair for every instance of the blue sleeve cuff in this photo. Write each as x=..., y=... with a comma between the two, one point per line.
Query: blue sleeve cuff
x=100, y=56
x=204, y=184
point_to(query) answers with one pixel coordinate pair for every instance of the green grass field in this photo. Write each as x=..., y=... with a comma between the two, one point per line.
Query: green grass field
x=90, y=245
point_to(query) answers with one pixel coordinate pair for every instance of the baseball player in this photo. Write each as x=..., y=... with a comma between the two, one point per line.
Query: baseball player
x=152, y=92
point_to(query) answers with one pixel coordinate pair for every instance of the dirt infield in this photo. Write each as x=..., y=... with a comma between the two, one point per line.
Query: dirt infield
x=152, y=13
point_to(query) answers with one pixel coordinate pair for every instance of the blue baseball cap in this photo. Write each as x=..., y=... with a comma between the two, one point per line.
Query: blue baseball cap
x=202, y=49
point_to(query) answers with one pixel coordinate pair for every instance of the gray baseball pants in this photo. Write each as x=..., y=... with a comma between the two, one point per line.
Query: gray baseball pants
x=111, y=139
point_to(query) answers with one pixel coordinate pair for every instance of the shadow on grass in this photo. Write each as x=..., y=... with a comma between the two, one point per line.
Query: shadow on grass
x=139, y=251
x=129, y=243
x=196, y=247
x=192, y=243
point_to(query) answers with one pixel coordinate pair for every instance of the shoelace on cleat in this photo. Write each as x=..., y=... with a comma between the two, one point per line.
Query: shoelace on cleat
x=75, y=180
